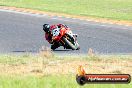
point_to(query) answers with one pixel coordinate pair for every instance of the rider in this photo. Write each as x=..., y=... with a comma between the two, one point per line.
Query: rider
x=47, y=29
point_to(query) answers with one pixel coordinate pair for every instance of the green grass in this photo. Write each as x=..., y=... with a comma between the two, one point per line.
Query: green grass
x=50, y=81
x=112, y=9
x=17, y=59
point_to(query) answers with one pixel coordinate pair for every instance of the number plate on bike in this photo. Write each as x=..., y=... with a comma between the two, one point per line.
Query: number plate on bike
x=56, y=32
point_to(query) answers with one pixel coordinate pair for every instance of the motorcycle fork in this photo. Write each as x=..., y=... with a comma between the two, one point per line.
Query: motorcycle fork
x=63, y=43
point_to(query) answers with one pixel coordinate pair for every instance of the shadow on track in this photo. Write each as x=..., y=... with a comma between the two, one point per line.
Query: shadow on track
x=31, y=51
x=24, y=51
x=62, y=50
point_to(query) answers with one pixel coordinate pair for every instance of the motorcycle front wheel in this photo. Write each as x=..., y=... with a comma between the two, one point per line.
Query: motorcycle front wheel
x=70, y=43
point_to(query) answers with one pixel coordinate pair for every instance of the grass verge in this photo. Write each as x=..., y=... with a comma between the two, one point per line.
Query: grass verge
x=111, y=9
x=50, y=81
x=52, y=71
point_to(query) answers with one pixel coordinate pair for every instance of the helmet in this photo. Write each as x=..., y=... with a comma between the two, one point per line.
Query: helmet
x=46, y=27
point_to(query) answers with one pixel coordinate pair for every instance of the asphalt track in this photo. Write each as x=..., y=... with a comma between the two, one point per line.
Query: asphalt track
x=22, y=32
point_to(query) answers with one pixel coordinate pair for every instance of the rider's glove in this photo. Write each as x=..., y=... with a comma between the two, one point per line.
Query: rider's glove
x=66, y=26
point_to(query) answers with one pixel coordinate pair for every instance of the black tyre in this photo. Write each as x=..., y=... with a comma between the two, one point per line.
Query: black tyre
x=78, y=46
x=54, y=46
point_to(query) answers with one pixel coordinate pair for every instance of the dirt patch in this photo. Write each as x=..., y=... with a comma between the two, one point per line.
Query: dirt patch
x=102, y=20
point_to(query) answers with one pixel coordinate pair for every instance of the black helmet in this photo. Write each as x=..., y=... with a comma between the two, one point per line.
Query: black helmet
x=46, y=27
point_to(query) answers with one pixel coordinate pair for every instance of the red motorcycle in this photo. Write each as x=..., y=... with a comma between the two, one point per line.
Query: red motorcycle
x=66, y=38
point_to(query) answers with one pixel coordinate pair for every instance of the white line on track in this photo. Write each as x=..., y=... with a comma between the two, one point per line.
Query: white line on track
x=68, y=19
x=25, y=13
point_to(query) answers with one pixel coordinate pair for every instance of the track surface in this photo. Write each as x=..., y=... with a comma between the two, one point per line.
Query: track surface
x=21, y=32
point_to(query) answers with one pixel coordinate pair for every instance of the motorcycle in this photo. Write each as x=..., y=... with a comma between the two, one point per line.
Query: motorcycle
x=66, y=38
